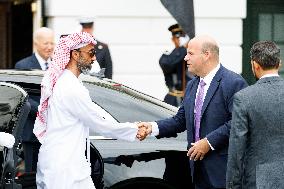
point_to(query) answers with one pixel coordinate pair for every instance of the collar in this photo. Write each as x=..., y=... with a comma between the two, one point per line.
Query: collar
x=41, y=61
x=270, y=75
x=208, y=78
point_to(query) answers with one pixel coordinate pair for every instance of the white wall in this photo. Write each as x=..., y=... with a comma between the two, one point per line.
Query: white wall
x=136, y=32
x=222, y=19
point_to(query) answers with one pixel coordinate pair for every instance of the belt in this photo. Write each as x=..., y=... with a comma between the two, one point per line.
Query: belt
x=176, y=93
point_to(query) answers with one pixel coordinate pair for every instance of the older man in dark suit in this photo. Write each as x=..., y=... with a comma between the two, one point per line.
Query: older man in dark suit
x=43, y=41
x=256, y=155
x=205, y=113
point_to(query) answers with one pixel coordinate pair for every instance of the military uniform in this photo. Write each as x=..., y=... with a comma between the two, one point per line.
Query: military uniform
x=102, y=51
x=175, y=70
x=104, y=58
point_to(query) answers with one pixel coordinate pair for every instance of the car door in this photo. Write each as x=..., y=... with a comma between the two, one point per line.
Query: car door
x=14, y=110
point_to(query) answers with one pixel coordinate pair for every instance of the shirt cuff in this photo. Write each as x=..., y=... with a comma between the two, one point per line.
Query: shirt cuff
x=209, y=144
x=155, y=129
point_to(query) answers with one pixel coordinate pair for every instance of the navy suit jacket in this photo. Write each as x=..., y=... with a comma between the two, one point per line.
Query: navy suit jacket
x=28, y=63
x=104, y=58
x=215, y=121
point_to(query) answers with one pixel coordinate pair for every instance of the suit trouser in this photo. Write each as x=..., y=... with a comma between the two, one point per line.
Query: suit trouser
x=31, y=150
x=201, y=179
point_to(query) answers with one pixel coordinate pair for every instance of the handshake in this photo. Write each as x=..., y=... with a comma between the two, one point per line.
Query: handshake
x=144, y=129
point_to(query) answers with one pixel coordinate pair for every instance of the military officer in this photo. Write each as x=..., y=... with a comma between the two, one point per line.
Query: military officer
x=102, y=51
x=174, y=66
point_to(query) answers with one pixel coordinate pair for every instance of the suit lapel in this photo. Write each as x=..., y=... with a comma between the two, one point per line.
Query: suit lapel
x=192, y=96
x=34, y=63
x=212, y=89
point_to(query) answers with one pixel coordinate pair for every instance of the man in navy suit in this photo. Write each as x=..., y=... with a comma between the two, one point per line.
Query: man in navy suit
x=205, y=113
x=43, y=41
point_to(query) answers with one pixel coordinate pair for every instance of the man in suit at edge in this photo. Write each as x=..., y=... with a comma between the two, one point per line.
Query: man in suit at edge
x=256, y=156
x=205, y=113
x=102, y=50
x=43, y=41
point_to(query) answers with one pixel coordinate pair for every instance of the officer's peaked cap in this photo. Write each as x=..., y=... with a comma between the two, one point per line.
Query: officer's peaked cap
x=176, y=30
x=86, y=21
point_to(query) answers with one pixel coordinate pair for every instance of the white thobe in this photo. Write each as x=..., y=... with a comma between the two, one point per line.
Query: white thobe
x=62, y=162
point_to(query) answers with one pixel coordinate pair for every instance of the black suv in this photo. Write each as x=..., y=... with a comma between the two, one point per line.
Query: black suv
x=116, y=164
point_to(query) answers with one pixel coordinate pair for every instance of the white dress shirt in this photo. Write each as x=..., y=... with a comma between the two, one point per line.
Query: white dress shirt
x=207, y=79
x=42, y=61
x=270, y=75
x=62, y=162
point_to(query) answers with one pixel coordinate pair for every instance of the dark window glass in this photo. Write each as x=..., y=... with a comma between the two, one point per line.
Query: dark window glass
x=127, y=105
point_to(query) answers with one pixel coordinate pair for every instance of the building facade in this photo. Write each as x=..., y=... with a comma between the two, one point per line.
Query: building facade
x=137, y=35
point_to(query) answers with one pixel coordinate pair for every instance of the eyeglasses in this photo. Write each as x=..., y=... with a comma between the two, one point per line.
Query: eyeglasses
x=92, y=52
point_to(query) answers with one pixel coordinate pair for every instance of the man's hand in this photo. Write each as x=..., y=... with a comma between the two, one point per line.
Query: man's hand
x=198, y=150
x=144, y=129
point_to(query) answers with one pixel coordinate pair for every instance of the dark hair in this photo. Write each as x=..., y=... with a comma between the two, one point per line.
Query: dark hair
x=266, y=54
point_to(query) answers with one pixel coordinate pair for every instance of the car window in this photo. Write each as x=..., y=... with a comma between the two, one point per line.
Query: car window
x=118, y=102
x=127, y=107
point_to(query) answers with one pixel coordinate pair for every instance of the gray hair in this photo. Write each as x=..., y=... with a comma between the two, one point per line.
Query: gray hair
x=41, y=32
x=212, y=47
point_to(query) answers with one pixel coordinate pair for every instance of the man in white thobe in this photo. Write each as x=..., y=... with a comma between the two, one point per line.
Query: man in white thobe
x=65, y=115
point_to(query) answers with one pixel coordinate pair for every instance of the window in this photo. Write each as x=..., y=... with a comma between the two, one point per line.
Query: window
x=271, y=27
